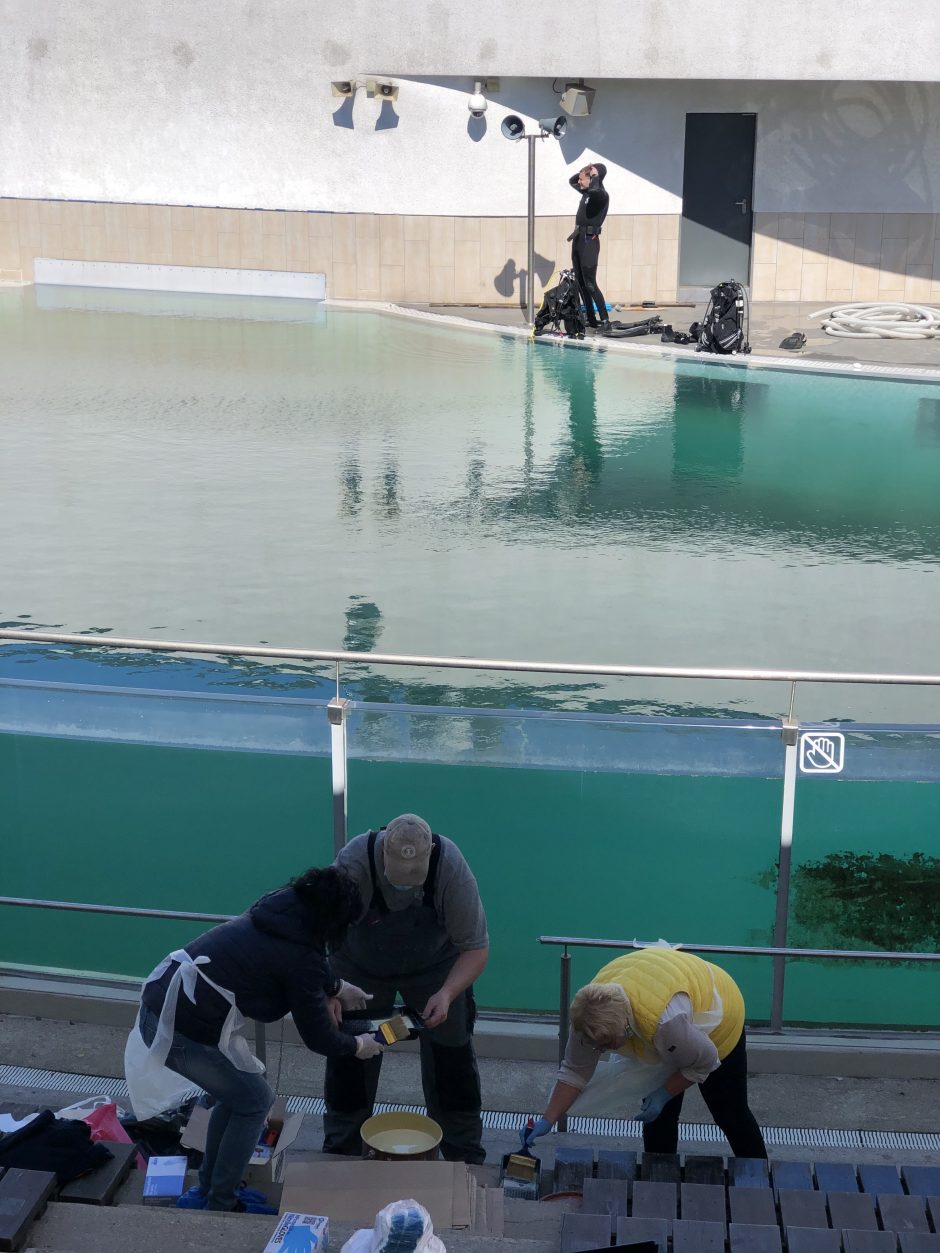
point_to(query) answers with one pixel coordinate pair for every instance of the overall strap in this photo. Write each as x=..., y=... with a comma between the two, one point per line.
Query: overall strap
x=377, y=905
x=432, y=870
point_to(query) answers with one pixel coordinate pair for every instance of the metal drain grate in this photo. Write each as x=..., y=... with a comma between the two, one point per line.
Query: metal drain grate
x=505, y=1120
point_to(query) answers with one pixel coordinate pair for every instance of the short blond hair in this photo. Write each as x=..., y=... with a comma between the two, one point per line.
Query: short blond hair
x=599, y=1013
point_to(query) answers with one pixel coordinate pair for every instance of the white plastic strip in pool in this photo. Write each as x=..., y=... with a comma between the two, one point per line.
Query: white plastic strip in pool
x=180, y=278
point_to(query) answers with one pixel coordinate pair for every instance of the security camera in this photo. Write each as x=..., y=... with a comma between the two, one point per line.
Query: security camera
x=477, y=102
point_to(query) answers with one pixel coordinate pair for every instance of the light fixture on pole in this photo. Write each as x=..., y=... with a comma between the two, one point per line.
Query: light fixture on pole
x=513, y=128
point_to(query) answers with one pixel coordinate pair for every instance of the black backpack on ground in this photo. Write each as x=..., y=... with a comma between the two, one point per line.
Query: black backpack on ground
x=723, y=328
x=561, y=308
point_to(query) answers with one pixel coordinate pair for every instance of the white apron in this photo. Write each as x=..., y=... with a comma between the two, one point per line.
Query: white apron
x=152, y=1087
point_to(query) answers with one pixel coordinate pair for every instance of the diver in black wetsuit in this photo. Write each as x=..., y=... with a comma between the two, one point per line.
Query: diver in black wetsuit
x=585, y=240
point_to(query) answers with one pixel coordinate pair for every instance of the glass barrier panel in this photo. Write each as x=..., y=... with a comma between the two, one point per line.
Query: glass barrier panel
x=591, y=826
x=866, y=875
x=156, y=799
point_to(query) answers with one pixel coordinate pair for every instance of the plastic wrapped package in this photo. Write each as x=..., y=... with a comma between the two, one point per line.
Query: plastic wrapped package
x=401, y=1227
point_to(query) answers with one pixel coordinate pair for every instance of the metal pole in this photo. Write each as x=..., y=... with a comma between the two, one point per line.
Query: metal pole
x=564, y=1002
x=530, y=261
x=336, y=712
x=790, y=737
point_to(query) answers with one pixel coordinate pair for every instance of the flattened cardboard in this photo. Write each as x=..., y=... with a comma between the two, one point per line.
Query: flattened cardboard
x=354, y=1191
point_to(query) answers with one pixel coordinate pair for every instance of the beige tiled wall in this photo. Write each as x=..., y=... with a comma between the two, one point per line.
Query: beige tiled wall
x=444, y=260
x=830, y=257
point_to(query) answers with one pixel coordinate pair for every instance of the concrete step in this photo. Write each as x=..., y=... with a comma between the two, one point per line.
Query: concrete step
x=69, y=1228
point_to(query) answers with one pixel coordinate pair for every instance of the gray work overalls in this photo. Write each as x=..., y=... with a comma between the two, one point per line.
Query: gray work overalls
x=407, y=951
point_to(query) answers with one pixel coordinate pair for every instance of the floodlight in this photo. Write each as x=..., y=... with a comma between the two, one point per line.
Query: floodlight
x=576, y=100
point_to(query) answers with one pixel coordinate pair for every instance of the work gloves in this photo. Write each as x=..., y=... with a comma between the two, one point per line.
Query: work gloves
x=653, y=1105
x=367, y=1046
x=534, y=1128
x=352, y=998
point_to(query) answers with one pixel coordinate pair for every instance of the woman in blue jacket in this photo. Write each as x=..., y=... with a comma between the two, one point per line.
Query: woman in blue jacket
x=271, y=961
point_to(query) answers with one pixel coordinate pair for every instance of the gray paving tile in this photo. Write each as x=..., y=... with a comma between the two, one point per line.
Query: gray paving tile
x=903, y=1213
x=585, y=1231
x=654, y=1200
x=605, y=1196
x=634, y=1230
x=754, y=1238
x=855, y=1210
x=695, y=1237
x=799, y=1208
x=813, y=1240
x=703, y=1202
x=752, y=1207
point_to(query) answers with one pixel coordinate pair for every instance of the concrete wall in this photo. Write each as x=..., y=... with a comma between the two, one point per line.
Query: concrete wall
x=477, y=260
x=145, y=109
x=227, y=103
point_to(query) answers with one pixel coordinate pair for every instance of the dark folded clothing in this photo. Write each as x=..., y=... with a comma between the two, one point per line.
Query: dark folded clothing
x=60, y=1145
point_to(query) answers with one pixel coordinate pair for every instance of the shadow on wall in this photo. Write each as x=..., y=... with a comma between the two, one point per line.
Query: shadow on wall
x=820, y=141
x=505, y=281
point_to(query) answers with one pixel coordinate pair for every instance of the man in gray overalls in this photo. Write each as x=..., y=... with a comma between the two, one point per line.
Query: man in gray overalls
x=423, y=935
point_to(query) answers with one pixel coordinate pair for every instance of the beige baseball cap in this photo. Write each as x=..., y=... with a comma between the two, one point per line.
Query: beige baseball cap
x=407, y=850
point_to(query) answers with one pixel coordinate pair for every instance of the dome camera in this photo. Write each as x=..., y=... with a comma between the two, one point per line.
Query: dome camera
x=477, y=102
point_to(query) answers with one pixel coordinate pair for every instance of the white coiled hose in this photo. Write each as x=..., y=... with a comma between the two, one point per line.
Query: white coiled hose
x=861, y=320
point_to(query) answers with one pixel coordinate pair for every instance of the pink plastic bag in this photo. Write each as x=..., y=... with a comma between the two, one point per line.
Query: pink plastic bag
x=105, y=1125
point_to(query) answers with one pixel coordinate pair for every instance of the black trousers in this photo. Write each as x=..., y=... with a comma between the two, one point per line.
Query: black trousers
x=587, y=280
x=449, y=1073
x=725, y=1094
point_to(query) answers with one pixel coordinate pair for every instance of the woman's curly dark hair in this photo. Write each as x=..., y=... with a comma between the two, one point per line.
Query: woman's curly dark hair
x=333, y=902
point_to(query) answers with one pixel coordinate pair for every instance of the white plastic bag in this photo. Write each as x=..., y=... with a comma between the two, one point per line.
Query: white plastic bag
x=81, y=1109
x=388, y=1225
x=153, y=1088
x=619, y=1085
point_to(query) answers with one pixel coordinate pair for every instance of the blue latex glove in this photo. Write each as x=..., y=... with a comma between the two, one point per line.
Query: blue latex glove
x=534, y=1128
x=653, y=1105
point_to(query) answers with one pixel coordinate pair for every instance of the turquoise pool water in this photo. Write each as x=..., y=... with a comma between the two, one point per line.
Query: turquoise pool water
x=351, y=479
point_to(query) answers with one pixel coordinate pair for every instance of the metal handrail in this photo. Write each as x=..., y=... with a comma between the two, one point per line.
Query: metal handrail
x=747, y=950
x=472, y=663
x=124, y=910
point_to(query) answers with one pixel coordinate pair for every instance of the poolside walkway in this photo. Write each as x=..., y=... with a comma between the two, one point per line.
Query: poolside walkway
x=770, y=323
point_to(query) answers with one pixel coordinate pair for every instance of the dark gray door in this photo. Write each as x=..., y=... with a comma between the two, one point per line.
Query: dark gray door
x=717, y=185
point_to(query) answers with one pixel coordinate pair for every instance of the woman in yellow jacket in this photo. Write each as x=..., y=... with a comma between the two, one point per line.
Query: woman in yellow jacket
x=645, y=1005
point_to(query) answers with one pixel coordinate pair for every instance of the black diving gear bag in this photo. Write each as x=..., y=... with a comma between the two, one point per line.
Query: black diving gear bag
x=561, y=308
x=722, y=329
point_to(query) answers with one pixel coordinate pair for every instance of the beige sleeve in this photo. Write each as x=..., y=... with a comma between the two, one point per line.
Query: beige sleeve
x=679, y=1043
x=580, y=1062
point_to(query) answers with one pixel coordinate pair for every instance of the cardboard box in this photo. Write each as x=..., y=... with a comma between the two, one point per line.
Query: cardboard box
x=353, y=1191
x=314, y=1228
x=267, y=1166
x=165, y=1180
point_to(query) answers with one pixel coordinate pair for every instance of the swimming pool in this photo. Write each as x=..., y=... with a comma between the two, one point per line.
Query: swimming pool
x=348, y=479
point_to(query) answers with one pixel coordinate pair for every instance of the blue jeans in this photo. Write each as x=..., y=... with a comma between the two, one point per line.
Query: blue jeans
x=242, y=1101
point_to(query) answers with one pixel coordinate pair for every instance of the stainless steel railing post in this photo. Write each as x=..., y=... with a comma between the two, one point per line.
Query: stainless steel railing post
x=790, y=738
x=337, y=711
x=564, y=1001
